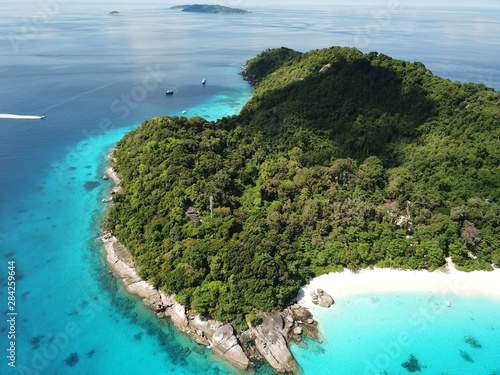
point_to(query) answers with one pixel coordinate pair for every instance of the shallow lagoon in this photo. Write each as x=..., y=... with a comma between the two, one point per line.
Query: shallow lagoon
x=377, y=333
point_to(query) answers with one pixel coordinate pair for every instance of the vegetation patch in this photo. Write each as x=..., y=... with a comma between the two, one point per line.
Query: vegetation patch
x=369, y=162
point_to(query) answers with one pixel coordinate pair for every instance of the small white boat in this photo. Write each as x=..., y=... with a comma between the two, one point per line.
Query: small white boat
x=8, y=115
x=203, y=81
x=448, y=303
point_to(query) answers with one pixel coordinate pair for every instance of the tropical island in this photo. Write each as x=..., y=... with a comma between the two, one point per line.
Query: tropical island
x=206, y=8
x=114, y=13
x=340, y=160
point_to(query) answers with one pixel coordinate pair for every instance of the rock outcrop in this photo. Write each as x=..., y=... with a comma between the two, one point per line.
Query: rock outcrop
x=303, y=318
x=270, y=341
x=250, y=78
x=177, y=314
x=115, y=176
x=203, y=329
x=227, y=346
x=321, y=298
x=325, y=68
x=120, y=260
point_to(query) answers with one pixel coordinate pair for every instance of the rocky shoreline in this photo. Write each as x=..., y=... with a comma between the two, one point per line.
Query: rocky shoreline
x=266, y=339
x=250, y=78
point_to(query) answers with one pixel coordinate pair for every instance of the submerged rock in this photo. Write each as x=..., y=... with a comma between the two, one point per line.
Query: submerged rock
x=91, y=185
x=466, y=356
x=198, y=350
x=473, y=342
x=72, y=360
x=412, y=365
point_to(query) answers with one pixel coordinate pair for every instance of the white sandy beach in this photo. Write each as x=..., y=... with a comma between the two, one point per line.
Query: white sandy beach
x=450, y=284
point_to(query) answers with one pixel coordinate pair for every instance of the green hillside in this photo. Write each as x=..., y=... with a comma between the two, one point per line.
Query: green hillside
x=340, y=159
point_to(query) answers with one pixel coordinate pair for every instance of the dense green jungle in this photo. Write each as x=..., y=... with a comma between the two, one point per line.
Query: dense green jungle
x=339, y=160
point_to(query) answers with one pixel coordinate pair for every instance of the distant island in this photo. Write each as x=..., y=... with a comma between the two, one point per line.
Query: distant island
x=114, y=13
x=205, y=8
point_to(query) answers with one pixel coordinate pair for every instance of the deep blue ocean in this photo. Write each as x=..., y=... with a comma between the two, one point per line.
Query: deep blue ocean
x=95, y=77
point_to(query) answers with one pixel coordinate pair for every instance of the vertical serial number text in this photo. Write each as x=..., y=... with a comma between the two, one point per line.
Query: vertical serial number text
x=11, y=313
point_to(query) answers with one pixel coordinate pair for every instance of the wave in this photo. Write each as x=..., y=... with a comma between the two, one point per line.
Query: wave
x=6, y=115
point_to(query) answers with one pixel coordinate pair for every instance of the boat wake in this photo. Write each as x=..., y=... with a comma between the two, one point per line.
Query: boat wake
x=6, y=115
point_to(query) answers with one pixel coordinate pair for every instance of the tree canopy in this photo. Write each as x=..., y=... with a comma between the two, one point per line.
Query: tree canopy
x=339, y=159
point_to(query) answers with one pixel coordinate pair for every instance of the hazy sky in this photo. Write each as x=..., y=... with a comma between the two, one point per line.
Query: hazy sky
x=302, y=3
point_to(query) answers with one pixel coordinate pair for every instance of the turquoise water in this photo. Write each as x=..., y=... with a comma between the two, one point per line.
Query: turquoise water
x=371, y=334
x=96, y=78
x=67, y=300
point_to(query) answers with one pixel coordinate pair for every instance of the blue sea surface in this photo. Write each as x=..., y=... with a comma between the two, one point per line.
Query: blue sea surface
x=377, y=333
x=95, y=77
